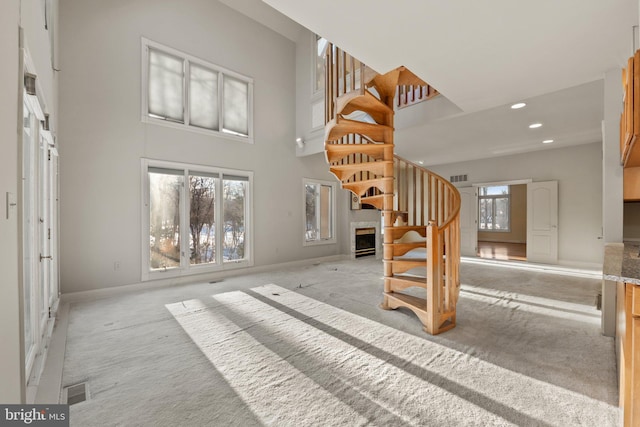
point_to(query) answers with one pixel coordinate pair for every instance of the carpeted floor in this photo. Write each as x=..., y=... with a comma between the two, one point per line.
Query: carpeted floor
x=309, y=346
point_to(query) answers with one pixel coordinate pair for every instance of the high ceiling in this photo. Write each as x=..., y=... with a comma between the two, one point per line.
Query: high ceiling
x=483, y=56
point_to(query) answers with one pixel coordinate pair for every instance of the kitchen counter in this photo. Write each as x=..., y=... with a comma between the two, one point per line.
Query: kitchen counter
x=622, y=263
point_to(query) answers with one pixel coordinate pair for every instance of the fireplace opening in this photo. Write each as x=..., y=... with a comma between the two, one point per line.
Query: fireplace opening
x=365, y=241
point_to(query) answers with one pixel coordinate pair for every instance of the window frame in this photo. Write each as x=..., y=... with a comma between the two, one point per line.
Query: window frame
x=316, y=93
x=188, y=60
x=186, y=268
x=333, y=211
x=493, y=198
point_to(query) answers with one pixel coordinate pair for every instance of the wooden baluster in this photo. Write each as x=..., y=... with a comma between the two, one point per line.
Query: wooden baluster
x=415, y=196
x=336, y=67
x=343, y=71
x=353, y=73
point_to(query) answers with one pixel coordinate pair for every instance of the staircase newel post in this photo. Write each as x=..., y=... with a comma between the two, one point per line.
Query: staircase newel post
x=387, y=211
x=434, y=276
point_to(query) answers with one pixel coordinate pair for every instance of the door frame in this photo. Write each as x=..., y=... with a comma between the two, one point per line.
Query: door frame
x=489, y=184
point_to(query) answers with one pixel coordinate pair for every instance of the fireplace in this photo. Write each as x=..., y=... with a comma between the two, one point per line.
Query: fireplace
x=365, y=241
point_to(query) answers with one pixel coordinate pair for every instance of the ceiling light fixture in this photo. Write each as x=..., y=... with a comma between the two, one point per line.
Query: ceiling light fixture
x=518, y=105
x=547, y=141
x=300, y=142
x=420, y=162
x=535, y=125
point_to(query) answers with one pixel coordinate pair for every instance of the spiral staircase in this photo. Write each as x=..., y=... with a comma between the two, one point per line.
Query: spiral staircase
x=420, y=210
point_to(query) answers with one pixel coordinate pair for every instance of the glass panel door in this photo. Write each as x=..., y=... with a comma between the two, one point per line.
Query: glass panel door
x=29, y=242
x=44, y=226
x=53, y=226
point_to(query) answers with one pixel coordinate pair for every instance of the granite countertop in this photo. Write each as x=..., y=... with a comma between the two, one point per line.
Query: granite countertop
x=621, y=262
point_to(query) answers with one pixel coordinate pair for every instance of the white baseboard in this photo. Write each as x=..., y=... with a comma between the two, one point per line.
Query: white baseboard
x=50, y=384
x=588, y=270
x=94, y=294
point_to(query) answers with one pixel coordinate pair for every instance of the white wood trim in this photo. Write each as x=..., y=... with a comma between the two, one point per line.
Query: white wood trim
x=334, y=199
x=95, y=294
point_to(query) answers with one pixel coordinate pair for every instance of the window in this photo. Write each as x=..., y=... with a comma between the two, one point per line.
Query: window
x=319, y=212
x=320, y=49
x=182, y=91
x=182, y=203
x=493, y=208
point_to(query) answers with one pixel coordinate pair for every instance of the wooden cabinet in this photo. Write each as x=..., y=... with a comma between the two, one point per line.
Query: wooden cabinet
x=630, y=128
x=631, y=182
x=630, y=119
x=628, y=347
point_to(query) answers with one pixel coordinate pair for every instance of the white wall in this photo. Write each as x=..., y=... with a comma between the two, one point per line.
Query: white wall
x=612, y=200
x=11, y=390
x=578, y=171
x=102, y=138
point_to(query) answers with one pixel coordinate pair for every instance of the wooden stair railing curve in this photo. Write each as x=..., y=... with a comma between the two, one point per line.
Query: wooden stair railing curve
x=420, y=210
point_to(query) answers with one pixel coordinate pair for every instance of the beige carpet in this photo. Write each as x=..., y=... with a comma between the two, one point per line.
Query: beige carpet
x=309, y=346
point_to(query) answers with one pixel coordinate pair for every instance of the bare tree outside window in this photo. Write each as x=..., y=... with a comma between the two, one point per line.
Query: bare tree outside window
x=202, y=219
x=318, y=212
x=234, y=193
x=164, y=222
x=493, y=208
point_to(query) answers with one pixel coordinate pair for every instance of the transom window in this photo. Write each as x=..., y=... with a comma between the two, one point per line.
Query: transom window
x=197, y=218
x=493, y=208
x=319, y=212
x=180, y=90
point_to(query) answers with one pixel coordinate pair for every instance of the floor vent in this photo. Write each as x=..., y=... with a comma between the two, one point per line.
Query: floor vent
x=76, y=393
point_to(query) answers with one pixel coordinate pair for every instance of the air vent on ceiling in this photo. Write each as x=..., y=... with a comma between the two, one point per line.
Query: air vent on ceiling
x=458, y=178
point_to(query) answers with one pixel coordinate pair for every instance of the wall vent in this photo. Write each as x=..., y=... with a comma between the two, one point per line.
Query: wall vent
x=458, y=178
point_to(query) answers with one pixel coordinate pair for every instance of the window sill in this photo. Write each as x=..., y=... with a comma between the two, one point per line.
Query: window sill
x=195, y=129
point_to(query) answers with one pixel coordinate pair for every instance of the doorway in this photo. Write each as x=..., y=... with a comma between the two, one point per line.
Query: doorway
x=503, y=220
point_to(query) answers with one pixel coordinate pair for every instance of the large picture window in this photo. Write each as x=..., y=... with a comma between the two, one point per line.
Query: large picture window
x=319, y=212
x=182, y=91
x=493, y=208
x=197, y=218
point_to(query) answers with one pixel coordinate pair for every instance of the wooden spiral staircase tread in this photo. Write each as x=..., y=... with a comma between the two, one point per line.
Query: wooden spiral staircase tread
x=340, y=127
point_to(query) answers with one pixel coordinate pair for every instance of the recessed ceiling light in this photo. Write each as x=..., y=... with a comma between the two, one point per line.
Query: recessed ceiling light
x=420, y=162
x=535, y=125
x=518, y=105
x=547, y=141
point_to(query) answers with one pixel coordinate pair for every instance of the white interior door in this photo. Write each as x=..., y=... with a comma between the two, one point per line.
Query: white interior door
x=542, y=222
x=468, y=221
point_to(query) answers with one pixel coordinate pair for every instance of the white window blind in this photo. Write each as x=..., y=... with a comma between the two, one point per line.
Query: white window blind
x=236, y=106
x=166, y=92
x=183, y=91
x=203, y=97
